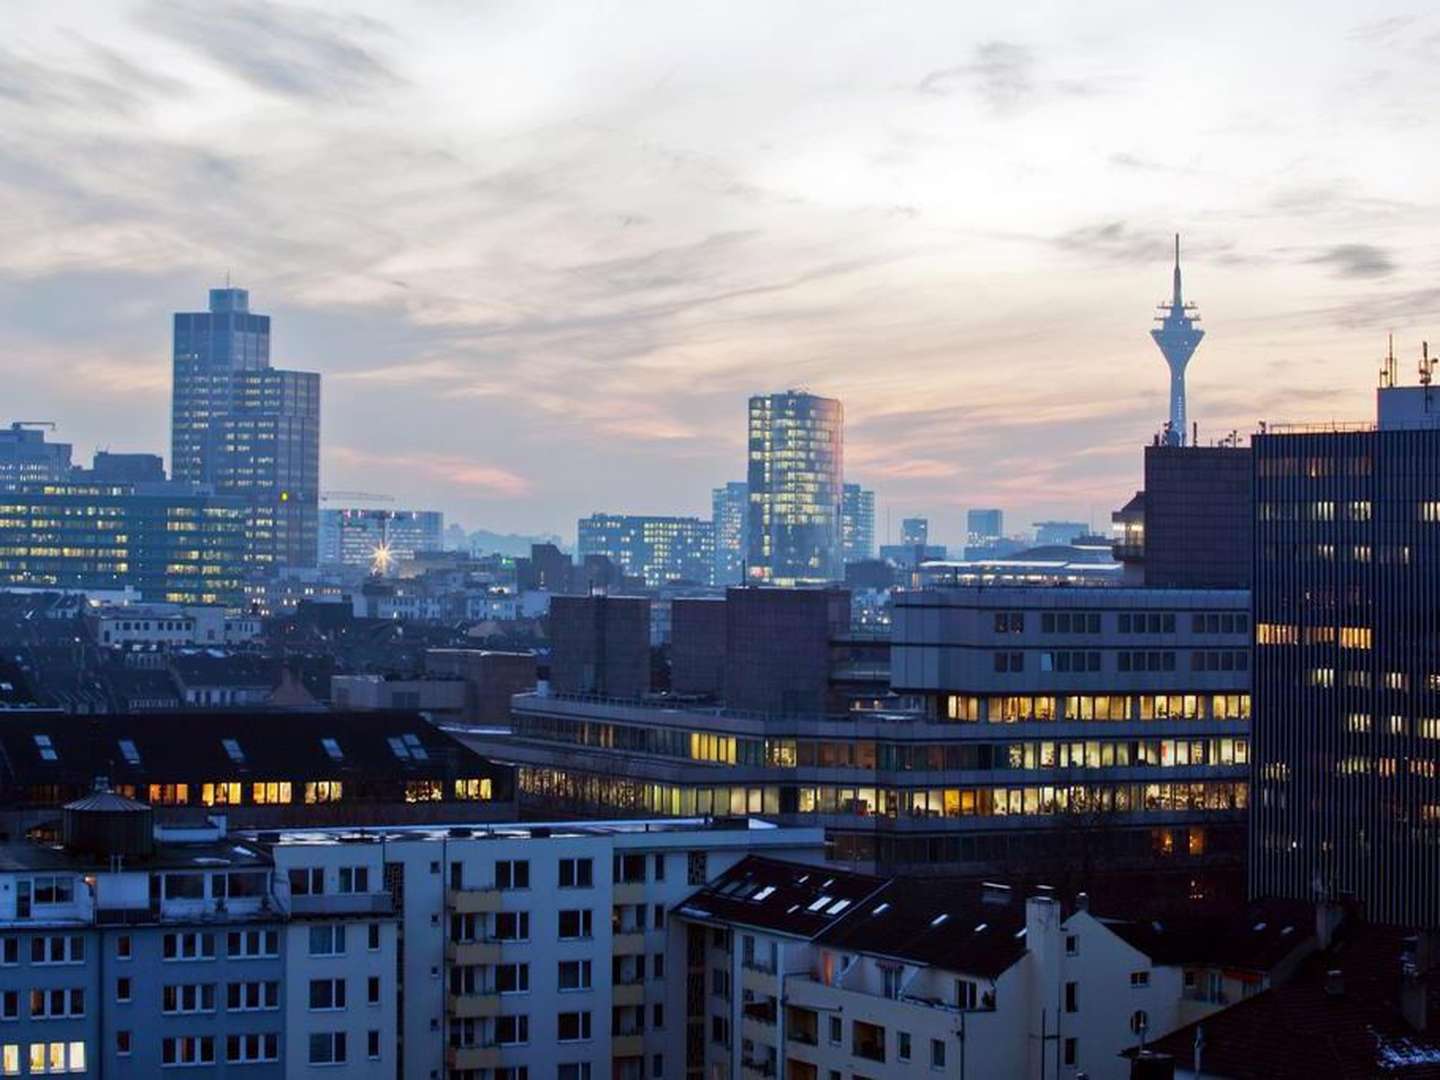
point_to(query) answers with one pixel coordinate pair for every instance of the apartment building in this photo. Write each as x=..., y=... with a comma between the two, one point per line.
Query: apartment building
x=528, y=951
x=813, y=974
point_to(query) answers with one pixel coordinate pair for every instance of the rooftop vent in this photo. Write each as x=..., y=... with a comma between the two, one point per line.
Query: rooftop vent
x=107, y=824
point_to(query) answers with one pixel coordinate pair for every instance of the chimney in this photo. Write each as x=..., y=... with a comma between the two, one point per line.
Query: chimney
x=1082, y=901
x=1335, y=984
x=1414, y=999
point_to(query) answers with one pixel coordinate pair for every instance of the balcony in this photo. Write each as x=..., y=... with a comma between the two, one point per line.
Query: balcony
x=467, y=953
x=758, y=1067
x=473, y=901
x=473, y=1057
x=342, y=904
x=628, y=892
x=464, y=1006
x=627, y=993
x=628, y=944
x=762, y=1012
x=627, y=1045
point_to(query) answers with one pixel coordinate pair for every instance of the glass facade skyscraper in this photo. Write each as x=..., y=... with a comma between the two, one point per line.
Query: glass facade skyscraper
x=246, y=428
x=857, y=524
x=796, y=482
x=659, y=549
x=1347, y=662
x=729, y=507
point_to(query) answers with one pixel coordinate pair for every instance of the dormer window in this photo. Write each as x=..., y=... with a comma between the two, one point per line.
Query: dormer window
x=232, y=748
x=129, y=751
x=333, y=749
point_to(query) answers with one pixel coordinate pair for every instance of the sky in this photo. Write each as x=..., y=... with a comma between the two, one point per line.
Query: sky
x=543, y=252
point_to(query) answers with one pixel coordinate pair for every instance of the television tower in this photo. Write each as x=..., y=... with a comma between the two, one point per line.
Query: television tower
x=1177, y=335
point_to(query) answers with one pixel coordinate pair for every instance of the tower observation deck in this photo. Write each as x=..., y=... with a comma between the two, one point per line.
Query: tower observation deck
x=1177, y=335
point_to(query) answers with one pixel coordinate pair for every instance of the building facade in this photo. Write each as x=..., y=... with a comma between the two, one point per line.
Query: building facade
x=173, y=543
x=984, y=526
x=1347, y=680
x=26, y=457
x=796, y=484
x=659, y=549
x=857, y=524
x=247, y=428
x=730, y=506
x=1198, y=513
x=357, y=537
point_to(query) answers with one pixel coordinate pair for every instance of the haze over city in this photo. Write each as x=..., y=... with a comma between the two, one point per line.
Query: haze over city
x=542, y=254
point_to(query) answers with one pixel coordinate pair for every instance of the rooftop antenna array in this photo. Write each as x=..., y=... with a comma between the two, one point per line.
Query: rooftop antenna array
x=1387, y=372
x=1427, y=364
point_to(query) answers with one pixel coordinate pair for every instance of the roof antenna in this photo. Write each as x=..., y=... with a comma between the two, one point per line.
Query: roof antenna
x=1387, y=373
x=1427, y=365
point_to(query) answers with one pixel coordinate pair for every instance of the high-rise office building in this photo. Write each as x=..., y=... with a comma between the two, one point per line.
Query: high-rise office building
x=915, y=531
x=984, y=526
x=857, y=524
x=247, y=428
x=796, y=481
x=729, y=507
x=659, y=549
x=1347, y=672
x=1058, y=532
x=378, y=538
x=26, y=457
x=173, y=542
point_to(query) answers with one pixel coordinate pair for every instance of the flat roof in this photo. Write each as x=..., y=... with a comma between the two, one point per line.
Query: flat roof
x=537, y=830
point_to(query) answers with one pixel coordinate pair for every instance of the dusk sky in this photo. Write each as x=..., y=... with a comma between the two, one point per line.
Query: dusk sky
x=542, y=253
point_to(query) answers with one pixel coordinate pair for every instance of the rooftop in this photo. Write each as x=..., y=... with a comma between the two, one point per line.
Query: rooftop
x=784, y=897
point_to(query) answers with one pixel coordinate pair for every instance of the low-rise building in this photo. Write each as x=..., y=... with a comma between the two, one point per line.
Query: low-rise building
x=172, y=625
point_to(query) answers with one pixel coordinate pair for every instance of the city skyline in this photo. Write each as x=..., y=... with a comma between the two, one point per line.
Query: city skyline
x=602, y=267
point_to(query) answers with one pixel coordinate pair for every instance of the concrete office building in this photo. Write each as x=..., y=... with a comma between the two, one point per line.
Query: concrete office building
x=377, y=539
x=796, y=482
x=1347, y=673
x=813, y=974
x=172, y=543
x=984, y=526
x=730, y=505
x=915, y=531
x=247, y=428
x=857, y=524
x=660, y=550
x=27, y=458
x=1011, y=728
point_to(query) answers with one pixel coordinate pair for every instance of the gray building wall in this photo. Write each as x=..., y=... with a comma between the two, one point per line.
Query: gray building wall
x=697, y=646
x=491, y=679
x=600, y=645
x=1198, y=510
x=778, y=655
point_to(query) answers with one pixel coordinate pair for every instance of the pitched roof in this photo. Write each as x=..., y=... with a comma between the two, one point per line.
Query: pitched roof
x=1256, y=938
x=1299, y=1029
x=960, y=926
x=787, y=898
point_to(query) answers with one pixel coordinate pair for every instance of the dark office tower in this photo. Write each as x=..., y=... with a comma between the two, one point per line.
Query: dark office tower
x=857, y=524
x=1347, y=661
x=915, y=531
x=796, y=480
x=984, y=526
x=1198, y=509
x=26, y=458
x=729, y=506
x=109, y=468
x=247, y=428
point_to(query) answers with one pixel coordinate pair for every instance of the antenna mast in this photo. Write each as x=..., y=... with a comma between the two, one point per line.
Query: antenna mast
x=1387, y=372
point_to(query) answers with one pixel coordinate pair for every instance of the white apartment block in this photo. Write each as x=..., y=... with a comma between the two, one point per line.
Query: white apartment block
x=814, y=974
x=175, y=625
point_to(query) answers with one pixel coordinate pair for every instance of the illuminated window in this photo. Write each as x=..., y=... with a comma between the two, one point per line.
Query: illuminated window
x=223, y=794
x=169, y=794
x=1355, y=637
x=423, y=791
x=271, y=792
x=476, y=789
x=323, y=791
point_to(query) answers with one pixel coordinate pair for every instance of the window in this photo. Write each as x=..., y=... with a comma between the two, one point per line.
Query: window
x=327, y=1048
x=937, y=1053
x=253, y=944
x=1072, y=997
x=577, y=873
x=513, y=925
x=307, y=881
x=327, y=940
x=512, y=874
x=695, y=868
x=10, y=950
x=191, y=945
x=512, y=1030
x=10, y=1005
x=372, y=990
x=54, y=1004
x=122, y=989
x=123, y=1044
x=573, y=1026
x=574, y=975
x=657, y=970
x=323, y=791
x=46, y=748
x=372, y=1045
x=53, y=890
x=252, y=996
x=183, y=998
x=327, y=994
x=659, y=874
x=512, y=978
x=837, y=1034
x=188, y=1050
x=1139, y=979
x=1072, y=1051
x=354, y=879
x=1139, y=1022
x=332, y=748
x=372, y=937
x=1072, y=945
x=270, y=793
x=902, y=1045
x=657, y=1016
x=242, y=1049
x=575, y=924
x=573, y=1070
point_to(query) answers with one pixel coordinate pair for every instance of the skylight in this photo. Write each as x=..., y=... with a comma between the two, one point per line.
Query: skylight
x=333, y=749
x=418, y=752
x=232, y=747
x=882, y=908
x=397, y=747
x=818, y=904
x=938, y=919
x=129, y=751
x=764, y=893
x=838, y=906
x=981, y=926
x=46, y=748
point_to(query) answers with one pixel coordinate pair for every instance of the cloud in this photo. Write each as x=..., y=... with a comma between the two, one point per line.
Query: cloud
x=476, y=477
x=1000, y=72
x=1356, y=261
x=118, y=87
x=294, y=52
x=1116, y=241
